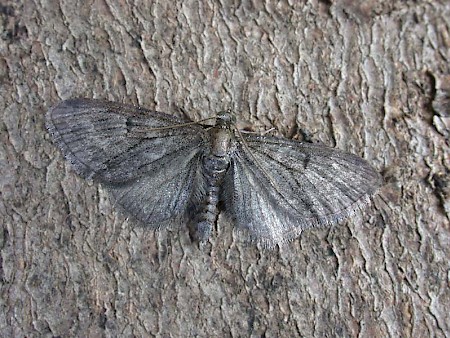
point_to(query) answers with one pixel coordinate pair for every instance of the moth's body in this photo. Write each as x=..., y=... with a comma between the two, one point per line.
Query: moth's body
x=166, y=172
x=215, y=164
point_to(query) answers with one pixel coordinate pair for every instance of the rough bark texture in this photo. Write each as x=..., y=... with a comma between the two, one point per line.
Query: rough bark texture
x=371, y=78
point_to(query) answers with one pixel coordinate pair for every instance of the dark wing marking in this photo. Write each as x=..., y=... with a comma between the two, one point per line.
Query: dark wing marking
x=275, y=188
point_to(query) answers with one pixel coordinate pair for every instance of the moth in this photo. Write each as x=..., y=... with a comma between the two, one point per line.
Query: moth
x=164, y=171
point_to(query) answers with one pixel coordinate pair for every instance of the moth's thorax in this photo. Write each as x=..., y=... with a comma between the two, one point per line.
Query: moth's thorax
x=220, y=140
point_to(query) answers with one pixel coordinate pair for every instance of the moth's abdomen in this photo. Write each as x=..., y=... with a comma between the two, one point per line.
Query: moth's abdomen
x=214, y=169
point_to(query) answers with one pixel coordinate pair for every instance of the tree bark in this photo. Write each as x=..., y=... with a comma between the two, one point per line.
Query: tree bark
x=370, y=78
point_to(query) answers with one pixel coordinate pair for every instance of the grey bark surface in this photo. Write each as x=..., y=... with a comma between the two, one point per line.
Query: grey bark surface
x=370, y=78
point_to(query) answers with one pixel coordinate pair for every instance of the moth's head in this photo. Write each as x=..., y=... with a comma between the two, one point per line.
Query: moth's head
x=225, y=118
